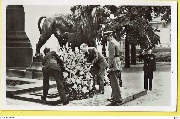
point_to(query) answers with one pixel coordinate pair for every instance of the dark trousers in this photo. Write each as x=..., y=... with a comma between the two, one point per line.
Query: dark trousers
x=100, y=79
x=98, y=73
x=148, y=76
x=58, y=76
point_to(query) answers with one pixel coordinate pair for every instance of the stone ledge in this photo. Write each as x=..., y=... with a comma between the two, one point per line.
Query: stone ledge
x=15, y=73
x=30, y=74
x=33, y=85
x=97, y=100
x=130, y=98
x=21, y=91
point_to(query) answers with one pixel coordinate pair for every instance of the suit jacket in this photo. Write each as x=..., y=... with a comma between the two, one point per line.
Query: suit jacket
x=149, y=62
x=114, y=49
x=52, y=61
x=95, y=57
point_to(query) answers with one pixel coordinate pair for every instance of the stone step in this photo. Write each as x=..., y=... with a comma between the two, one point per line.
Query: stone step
x=128, y=94
x=23, y=73
x=130, y=98
x=18, y=44
x=15, y=72
x=23, y=85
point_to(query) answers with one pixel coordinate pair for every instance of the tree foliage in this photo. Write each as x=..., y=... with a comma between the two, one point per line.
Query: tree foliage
x=84, y=24
x=131, y=22
x=134, y=20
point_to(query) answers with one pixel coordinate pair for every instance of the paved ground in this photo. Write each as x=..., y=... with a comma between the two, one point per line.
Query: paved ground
x=127, y=94
x=161, y=93
x=132, y=77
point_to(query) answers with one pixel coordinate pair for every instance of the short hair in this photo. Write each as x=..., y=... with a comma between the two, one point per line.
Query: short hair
x=108, y=33
x=46, y=50
x=84, y=47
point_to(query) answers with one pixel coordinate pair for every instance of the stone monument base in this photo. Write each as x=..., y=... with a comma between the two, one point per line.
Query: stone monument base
x=18, y=56
x=34, y=71
x=18, y=47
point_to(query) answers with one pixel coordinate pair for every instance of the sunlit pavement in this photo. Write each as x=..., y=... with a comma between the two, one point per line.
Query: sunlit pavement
x=132, y=79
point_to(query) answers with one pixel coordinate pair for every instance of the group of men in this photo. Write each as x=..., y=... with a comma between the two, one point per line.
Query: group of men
x=53, y=66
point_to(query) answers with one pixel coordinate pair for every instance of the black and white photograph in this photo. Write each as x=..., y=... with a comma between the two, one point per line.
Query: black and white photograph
x=99, y=56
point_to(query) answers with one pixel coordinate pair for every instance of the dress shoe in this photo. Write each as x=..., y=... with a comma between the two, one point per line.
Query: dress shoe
x=111, y=100
x=101, y=92
x=66, y=102
x=116, y=103
x=43, y=98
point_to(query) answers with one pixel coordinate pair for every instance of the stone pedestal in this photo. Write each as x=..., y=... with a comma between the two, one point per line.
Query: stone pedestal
x=18, y=47
x=34, y=71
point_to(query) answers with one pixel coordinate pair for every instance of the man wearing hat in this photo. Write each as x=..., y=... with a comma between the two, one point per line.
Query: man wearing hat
x=53, y=66
x=148, y=68
x=114, y=52
x=99, y=65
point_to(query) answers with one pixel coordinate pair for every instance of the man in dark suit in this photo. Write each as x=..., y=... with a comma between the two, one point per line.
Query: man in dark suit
x=53, y=66
x=99, y=65
x=149, y=68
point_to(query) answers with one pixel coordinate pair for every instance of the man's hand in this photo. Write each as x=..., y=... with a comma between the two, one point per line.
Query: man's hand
x=37, y=54
x=65, y=74
x=109, y=70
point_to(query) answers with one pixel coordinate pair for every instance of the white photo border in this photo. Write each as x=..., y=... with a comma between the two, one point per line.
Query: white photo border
x=171, y=108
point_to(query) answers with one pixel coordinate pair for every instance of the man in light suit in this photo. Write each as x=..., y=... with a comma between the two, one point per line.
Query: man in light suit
x=99, y=65
x=114, y=51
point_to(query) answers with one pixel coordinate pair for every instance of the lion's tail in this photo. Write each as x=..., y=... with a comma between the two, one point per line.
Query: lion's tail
x=39, y=22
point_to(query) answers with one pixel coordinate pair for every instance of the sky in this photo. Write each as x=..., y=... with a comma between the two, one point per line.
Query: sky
x=32, y=15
